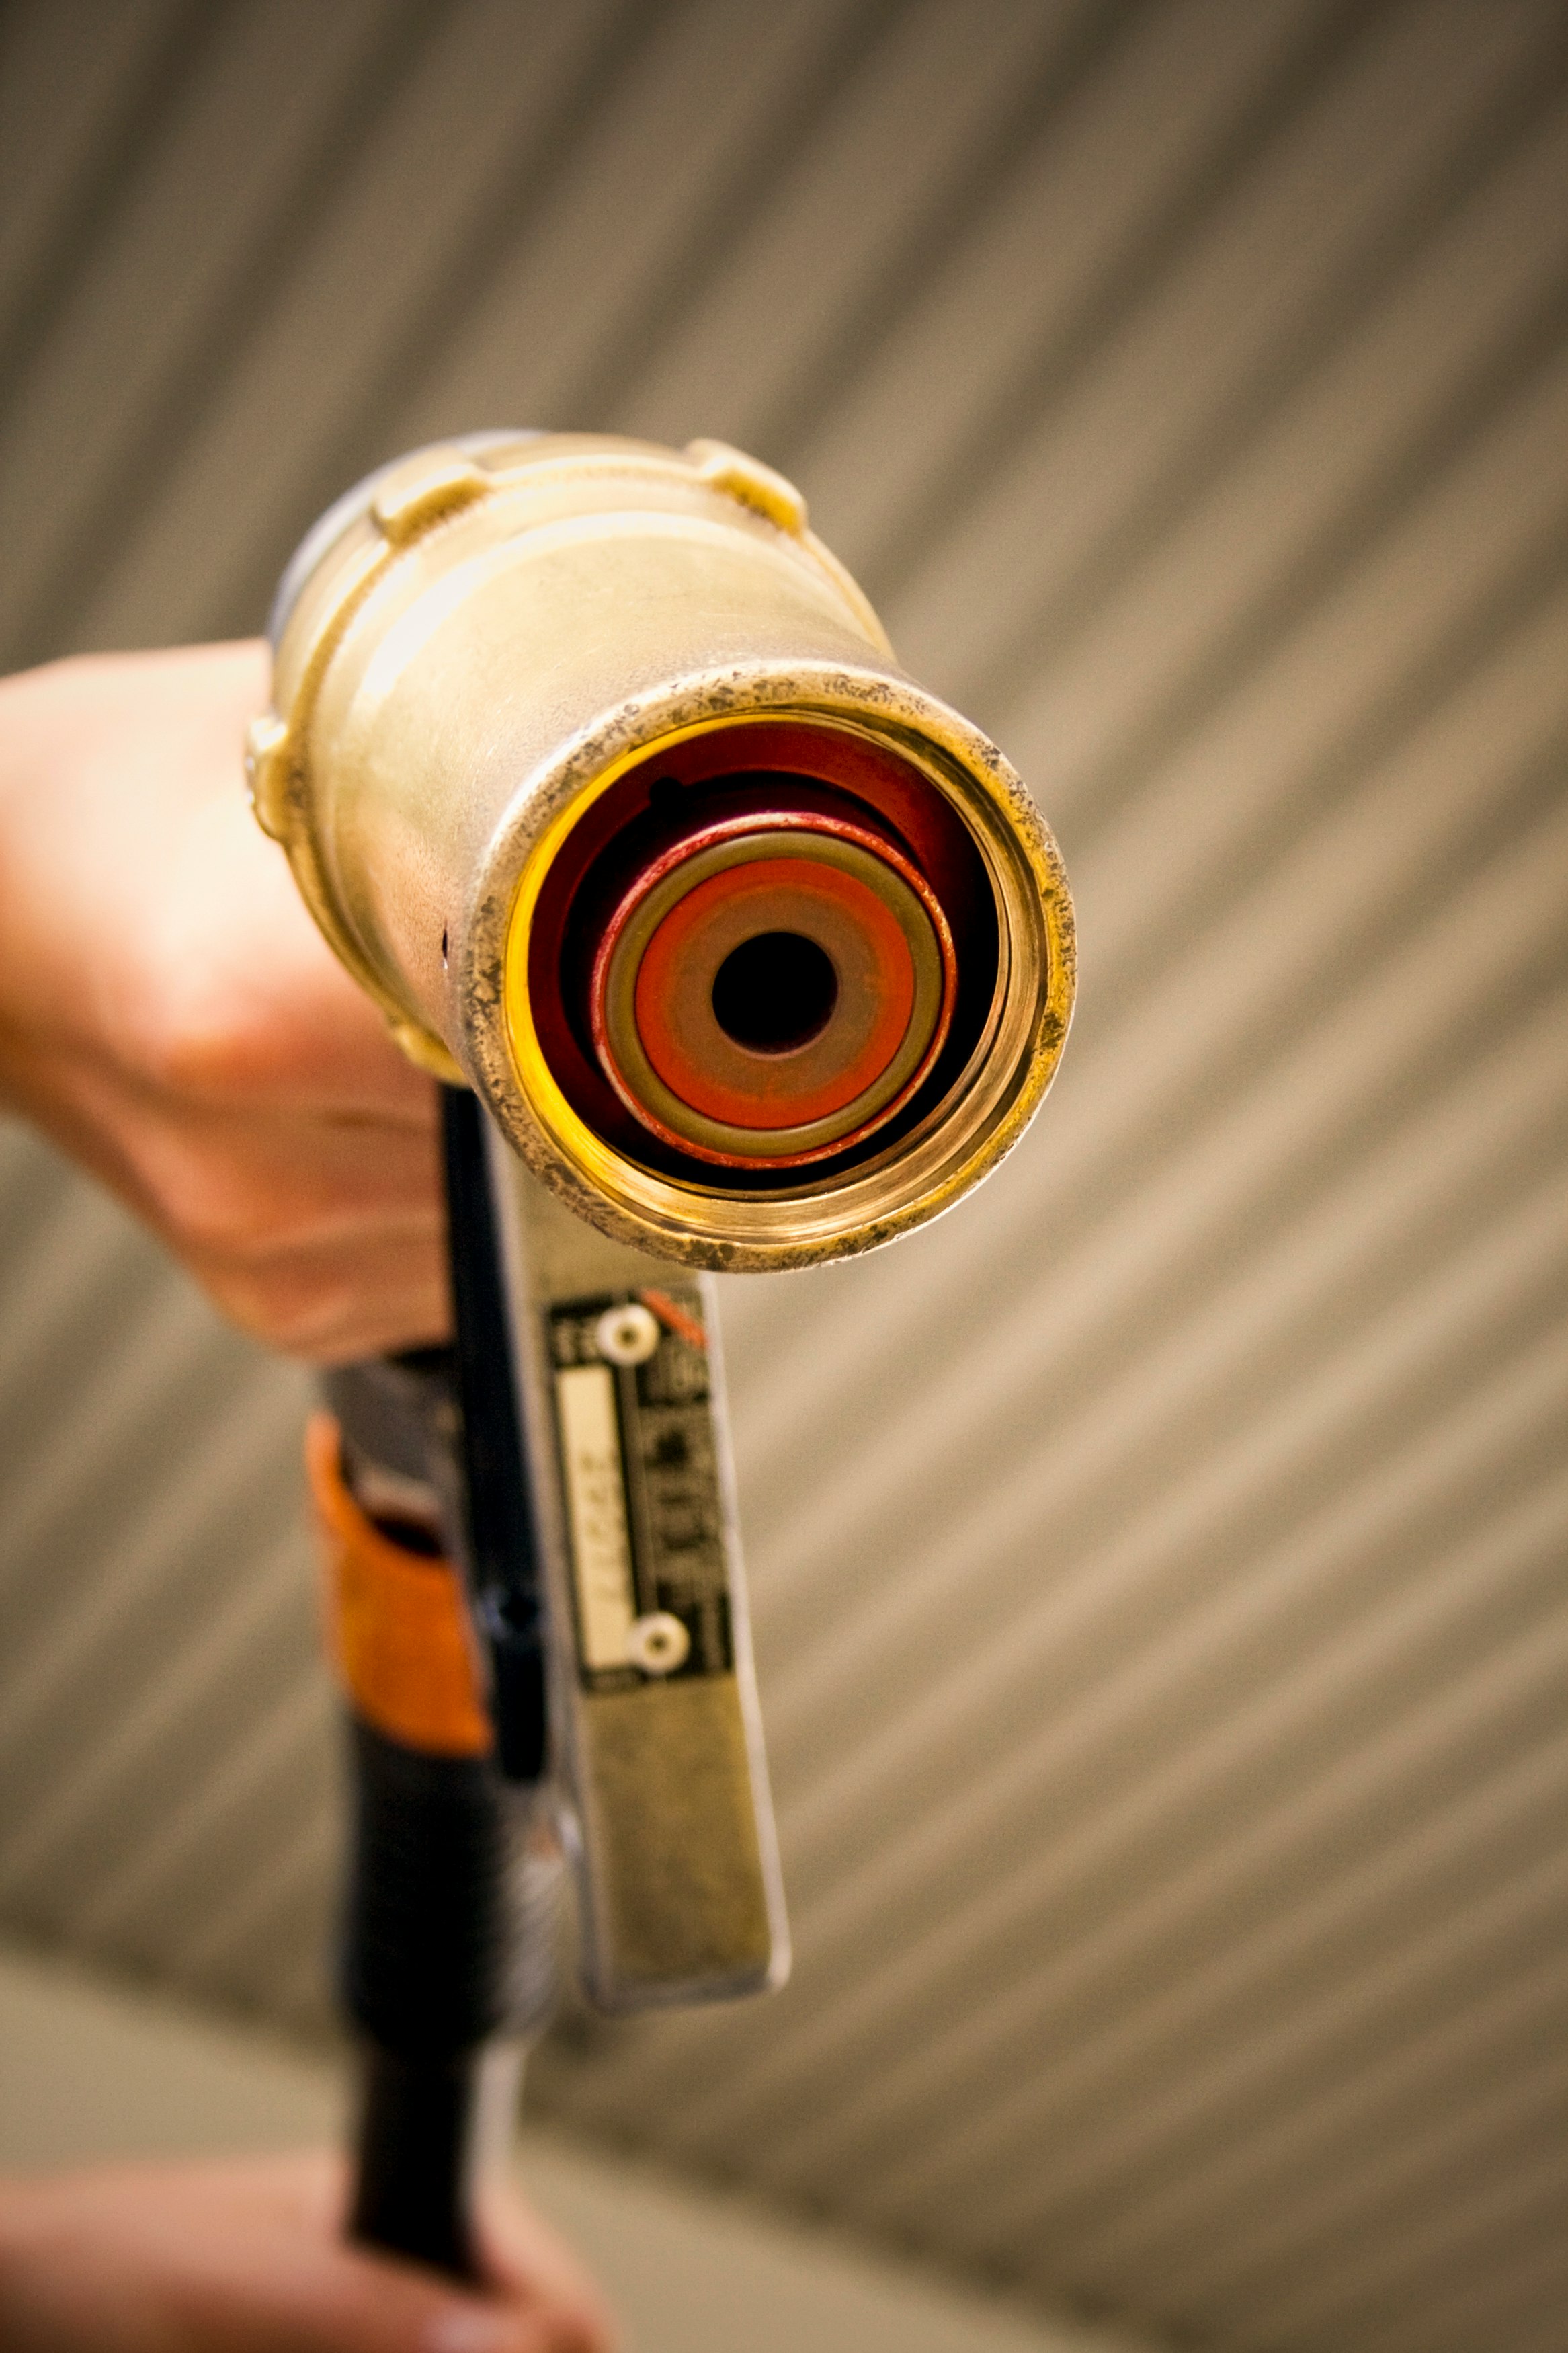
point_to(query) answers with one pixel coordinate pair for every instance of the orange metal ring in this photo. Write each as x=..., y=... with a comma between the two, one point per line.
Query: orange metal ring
x=755, y=1107
x=777, y=1097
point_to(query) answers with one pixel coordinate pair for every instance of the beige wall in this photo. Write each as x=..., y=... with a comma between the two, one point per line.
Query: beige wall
x=90, y=2070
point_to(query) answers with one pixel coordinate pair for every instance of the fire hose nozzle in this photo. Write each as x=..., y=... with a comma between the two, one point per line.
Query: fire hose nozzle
x=596, y=770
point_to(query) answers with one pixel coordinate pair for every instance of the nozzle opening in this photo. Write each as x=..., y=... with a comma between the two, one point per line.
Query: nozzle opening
x=774, y=993
x=768, y=949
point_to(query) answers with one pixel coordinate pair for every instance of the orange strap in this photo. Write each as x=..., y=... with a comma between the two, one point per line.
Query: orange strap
x=396, y=1627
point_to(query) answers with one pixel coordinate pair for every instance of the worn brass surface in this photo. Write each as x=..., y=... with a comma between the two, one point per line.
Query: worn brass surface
x=668, y=1820
x=478, y=650
x=662, y=1790
x=904, y=913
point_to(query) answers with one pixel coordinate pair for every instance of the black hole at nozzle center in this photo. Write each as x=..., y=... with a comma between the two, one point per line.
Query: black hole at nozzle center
x=774, y=993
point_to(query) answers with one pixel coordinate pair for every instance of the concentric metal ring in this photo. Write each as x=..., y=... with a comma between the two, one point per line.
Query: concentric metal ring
x=858, y=903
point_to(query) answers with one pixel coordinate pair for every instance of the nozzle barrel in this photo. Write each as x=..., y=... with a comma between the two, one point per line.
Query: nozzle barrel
x=595, y=769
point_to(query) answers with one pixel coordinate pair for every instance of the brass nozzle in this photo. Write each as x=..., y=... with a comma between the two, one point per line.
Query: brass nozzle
x=596, y=770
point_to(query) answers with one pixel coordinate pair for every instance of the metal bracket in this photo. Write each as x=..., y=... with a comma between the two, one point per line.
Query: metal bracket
x=656, y=1732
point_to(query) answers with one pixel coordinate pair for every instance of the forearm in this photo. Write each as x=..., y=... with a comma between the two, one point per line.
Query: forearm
x=170, y=1016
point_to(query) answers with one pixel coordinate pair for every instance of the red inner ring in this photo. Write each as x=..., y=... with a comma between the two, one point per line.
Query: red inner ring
x=774, y=1102
x=771, y=820
x=875, y=785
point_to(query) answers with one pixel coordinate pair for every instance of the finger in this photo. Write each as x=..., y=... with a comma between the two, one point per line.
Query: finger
x=208, y=972
x=520, y=2252
x=248, y=1177
x=244, y=1184
x=330, y=2297
x=348, y=2302
x=326, y=1242
x=381, y=1292
x=242, y=2257
x=237, y=996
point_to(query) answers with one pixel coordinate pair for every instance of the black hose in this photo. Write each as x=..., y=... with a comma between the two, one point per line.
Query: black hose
x=429, y=1978
x=449, y=1928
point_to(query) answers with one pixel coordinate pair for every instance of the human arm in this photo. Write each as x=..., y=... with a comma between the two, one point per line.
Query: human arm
x=248, y=2257
x=170, y=1014
x=171, y=1017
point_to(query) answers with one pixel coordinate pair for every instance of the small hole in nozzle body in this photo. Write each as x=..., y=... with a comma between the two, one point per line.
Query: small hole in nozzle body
x=774, y=993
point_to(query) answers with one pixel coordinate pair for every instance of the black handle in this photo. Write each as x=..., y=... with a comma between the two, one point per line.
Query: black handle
x=430, y=1964
x=415, y=2159
x=446, y=1943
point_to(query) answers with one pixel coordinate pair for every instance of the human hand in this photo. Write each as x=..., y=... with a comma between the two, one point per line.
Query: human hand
x=170, y=1014
x=246, y=2257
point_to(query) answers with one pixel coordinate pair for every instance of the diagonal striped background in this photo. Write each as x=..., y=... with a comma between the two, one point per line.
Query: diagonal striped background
x=1158, y=1565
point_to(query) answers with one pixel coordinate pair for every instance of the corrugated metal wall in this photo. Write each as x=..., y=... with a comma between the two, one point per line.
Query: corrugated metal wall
x=1158, y=1566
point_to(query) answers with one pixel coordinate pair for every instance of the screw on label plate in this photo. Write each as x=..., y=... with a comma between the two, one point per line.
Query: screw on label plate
x=626, y=1335
x=658, y=1643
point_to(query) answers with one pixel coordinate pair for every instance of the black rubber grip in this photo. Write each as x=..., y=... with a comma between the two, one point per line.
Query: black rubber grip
x=415, y=2159
x=428, y=1970
x=428, y=1945
x=447, y=1939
